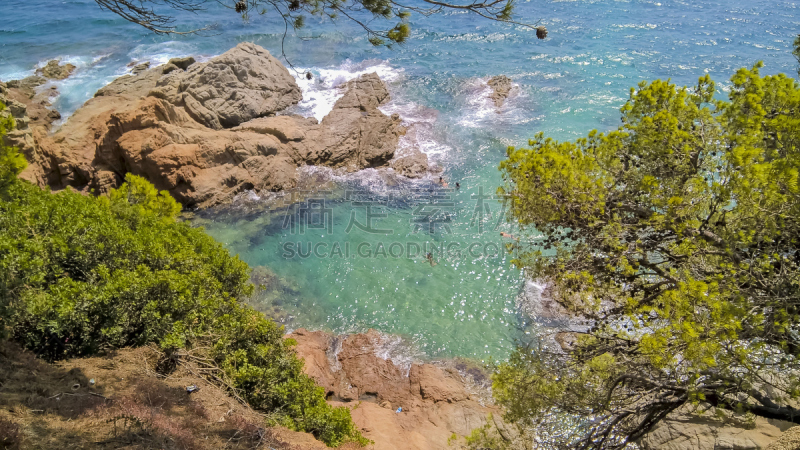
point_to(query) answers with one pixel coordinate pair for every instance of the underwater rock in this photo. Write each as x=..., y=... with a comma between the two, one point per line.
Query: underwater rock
x=501, y=88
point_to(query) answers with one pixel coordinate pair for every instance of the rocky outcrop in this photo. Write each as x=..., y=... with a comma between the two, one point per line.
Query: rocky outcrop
x=237, y=86
x=33, y=118
x=435, y=401
x=414, y=165
x=56, y=71
x=789, y=440
x=681, y=431
x=207, y=131
x=501, y=88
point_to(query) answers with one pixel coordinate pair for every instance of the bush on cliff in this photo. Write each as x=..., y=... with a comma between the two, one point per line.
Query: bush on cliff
x=677, y=238
x=82, y=274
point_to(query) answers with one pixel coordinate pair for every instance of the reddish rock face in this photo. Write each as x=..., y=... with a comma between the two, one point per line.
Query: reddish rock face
x=435, y=401
x=207, y=131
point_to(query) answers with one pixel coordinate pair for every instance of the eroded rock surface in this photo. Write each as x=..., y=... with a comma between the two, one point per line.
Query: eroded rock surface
x=33, y=118
x=56, y=71
x=682, y=432
x=206, y=131
x=789, y=440
x=435, y=401
x=501, y=88
x=414, y=165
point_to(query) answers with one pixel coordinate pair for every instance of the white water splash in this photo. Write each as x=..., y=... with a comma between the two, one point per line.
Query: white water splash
x=326, y=87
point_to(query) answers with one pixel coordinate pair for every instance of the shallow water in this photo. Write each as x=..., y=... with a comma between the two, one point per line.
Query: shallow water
x=573, y=81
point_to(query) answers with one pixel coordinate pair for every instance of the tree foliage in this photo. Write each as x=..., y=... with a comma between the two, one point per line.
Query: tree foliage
x=81, y=275
x=676, y=238
x=155, y=16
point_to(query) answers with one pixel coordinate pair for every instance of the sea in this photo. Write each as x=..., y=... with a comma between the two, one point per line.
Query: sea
x=346, y=252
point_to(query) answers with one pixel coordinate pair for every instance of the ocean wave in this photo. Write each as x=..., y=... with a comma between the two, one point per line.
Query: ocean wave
x=325, y=88
x=480, y=111
x=160, y=53
x=420, y=122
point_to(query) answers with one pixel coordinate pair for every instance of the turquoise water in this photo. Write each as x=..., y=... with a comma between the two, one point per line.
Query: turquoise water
x=575, y=80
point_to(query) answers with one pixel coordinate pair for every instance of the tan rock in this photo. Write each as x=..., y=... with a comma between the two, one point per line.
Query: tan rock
x=209, y=132
x=414, y=165
x=501, y=88
x=789, y=440
x=182, y=63
x=436, y=385
x=285, y=128
x=355, y=134
x=681, y=431
x=56, y=71
x=34, y=118
x=239, y=85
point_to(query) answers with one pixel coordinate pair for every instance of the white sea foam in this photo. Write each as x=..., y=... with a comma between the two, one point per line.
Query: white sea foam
x=481, y=112
x=399, y=351
x=326, y=86
x=160, y=53
x=420, y=123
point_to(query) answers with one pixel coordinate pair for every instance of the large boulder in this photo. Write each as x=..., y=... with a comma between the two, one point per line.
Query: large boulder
x=242, y=84
x=356, y=134
x=210, y=131
x=413, y=165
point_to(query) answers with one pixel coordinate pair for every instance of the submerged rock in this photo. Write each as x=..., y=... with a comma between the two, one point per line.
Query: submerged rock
x=501, y=88
x=210, y=131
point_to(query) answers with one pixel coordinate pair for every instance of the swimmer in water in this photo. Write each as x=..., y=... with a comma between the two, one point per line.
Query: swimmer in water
x=458, y=185
x=506, y=235
x=429, y=257
x=442, y=182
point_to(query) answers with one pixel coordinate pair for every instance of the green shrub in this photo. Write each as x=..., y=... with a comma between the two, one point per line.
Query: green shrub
x=11, y=162
x=82, y=274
